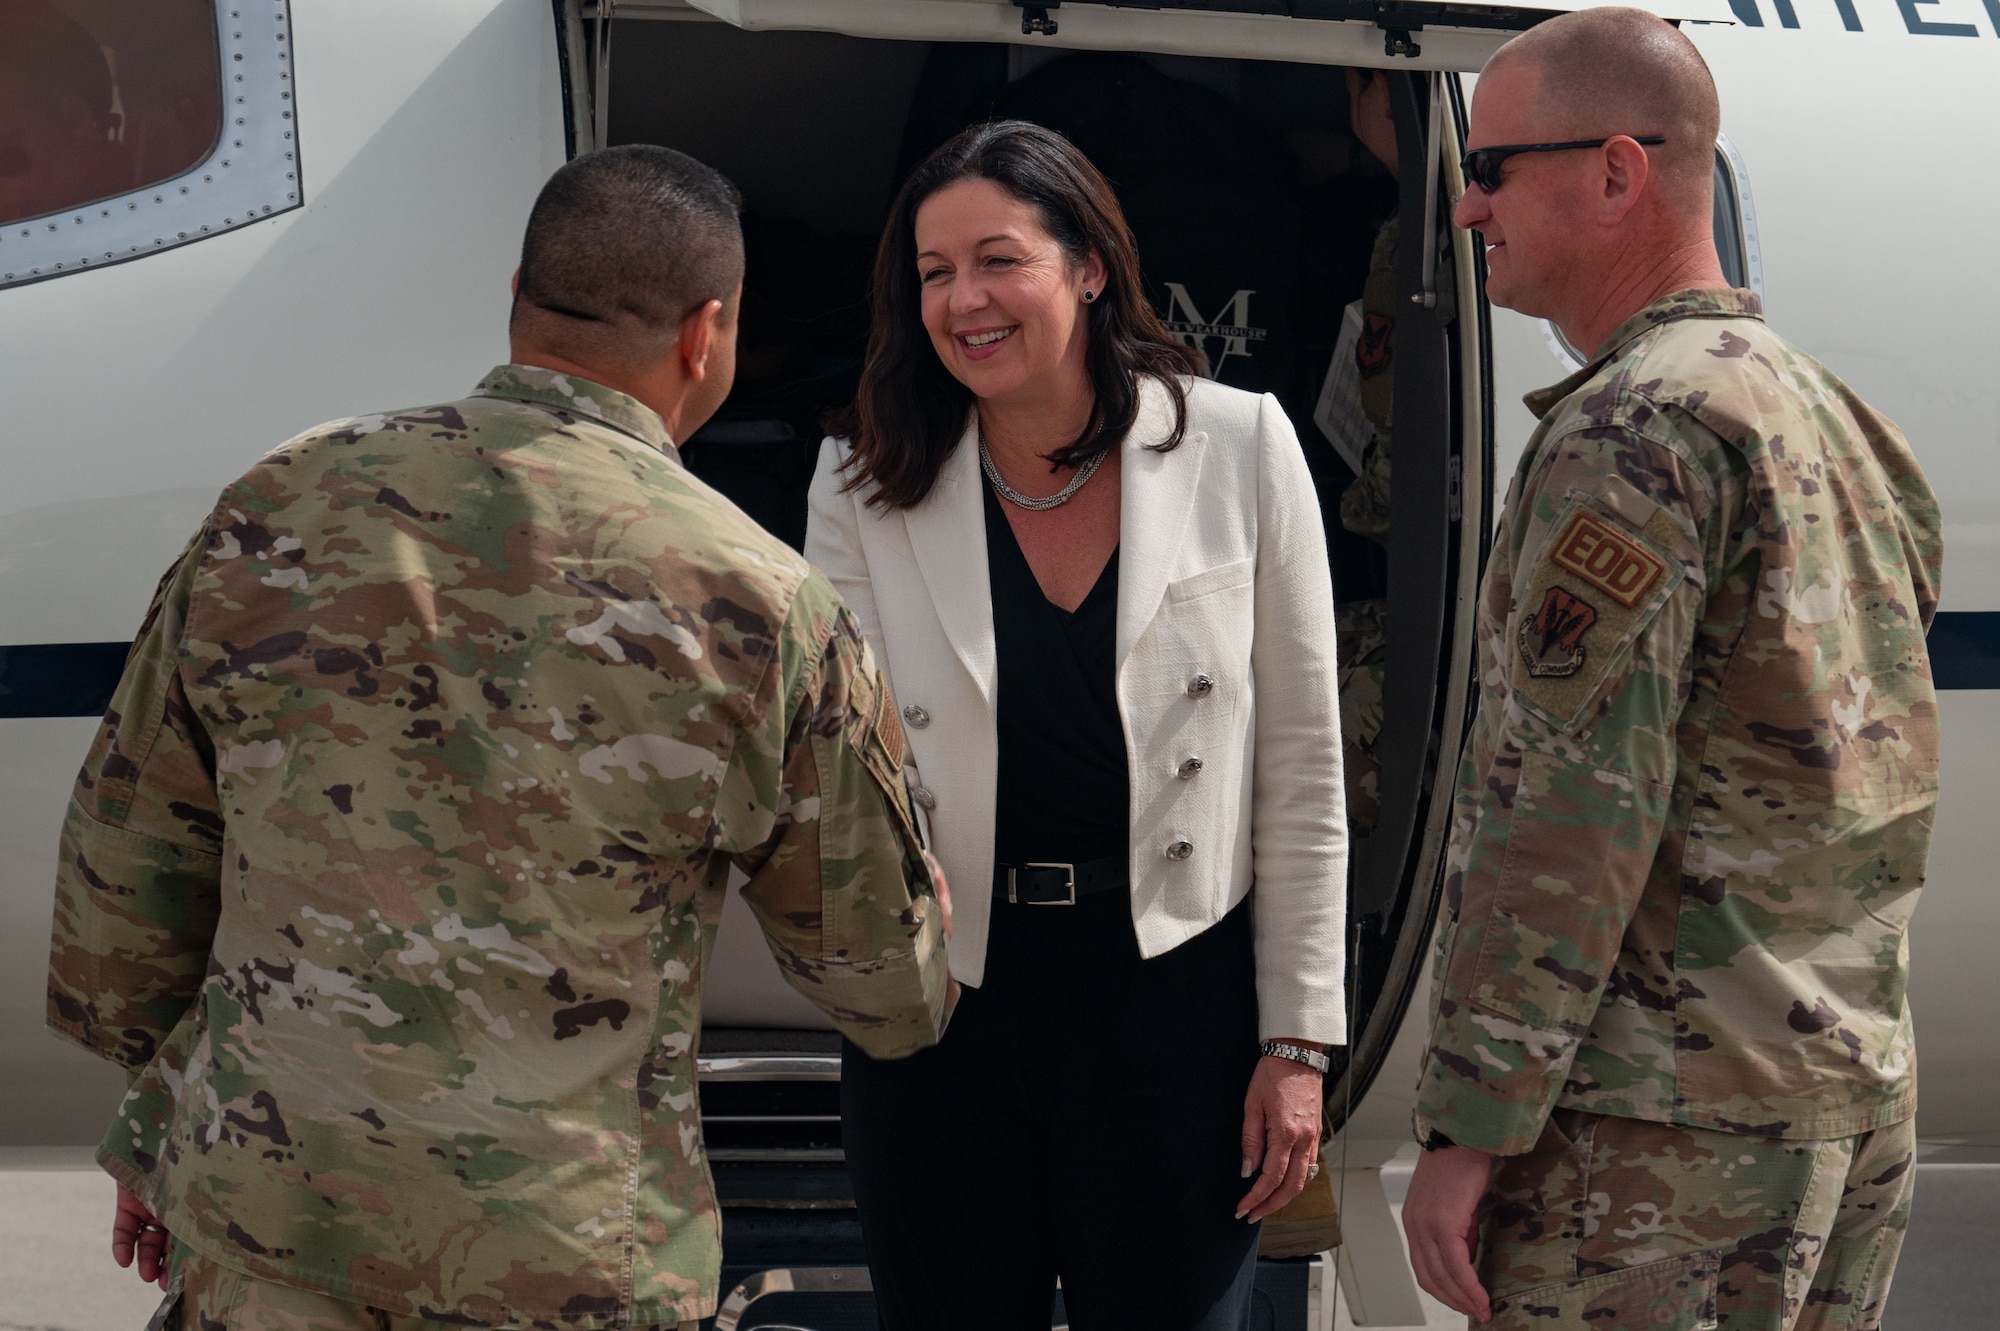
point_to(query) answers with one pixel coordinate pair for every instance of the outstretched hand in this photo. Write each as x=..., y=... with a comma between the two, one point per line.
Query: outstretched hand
x=1280, y=1134
x=1441, y=1221
x=137, y=1233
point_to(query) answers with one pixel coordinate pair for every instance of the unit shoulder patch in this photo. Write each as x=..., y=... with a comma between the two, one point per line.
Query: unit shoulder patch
x=1371, y=353
x=1551, y=639
x=1596, y=587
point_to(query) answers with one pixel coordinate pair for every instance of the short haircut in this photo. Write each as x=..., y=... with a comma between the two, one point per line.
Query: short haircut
x=1626, y=71
x=622, y=245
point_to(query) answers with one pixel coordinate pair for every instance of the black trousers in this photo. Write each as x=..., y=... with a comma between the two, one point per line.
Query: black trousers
x=1081, y=1118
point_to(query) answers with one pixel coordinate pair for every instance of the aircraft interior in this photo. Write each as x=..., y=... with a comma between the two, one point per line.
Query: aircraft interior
x=818, y=130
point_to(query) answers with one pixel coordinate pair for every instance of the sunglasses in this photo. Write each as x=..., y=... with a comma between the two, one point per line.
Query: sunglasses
x=1482, y=165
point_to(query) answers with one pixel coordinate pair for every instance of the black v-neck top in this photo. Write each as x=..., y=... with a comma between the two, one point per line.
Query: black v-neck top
x=1064, y=791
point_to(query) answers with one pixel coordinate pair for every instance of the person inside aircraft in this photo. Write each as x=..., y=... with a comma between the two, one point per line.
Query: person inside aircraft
x=391, y=873
x=1099, y=585
x=1355, y=414
x=1696, y=802
x=57, y=124
x=169, y=88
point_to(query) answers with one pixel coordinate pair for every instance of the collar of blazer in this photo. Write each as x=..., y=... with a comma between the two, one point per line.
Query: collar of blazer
x=1158, y=495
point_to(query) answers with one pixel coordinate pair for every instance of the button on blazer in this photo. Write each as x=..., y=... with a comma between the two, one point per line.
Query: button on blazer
x=1225, y=653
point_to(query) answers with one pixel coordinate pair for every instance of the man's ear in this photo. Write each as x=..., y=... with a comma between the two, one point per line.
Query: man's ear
x=697, y=341
x=514, y=286
x=1627, y=172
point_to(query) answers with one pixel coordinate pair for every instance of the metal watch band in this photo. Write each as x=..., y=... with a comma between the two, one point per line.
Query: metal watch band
x=1312, y=1058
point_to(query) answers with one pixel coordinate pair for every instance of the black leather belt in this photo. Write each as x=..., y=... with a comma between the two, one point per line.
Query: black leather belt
x=1045, y=884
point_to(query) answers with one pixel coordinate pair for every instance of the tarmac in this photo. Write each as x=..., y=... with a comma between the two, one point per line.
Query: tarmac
x=56, y=1272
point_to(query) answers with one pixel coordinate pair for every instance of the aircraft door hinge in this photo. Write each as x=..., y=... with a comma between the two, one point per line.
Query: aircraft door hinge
x=1036, y=19
x=1401, y=41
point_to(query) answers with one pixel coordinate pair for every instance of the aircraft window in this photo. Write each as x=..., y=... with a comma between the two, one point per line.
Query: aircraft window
x=99, y=98
x=132, y=127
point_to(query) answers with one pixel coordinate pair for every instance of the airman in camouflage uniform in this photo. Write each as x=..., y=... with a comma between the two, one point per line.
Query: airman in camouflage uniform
x=393, y=870
x=1694, y=810
x=1361, y=627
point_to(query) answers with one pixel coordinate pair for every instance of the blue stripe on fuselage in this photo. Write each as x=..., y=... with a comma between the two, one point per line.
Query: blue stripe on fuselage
x=77, y=678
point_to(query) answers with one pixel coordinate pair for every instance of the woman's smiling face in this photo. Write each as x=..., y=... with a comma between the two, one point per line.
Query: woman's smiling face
x=1002, y=302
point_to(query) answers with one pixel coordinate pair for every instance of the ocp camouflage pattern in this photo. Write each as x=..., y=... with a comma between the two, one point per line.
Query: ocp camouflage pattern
x=1364, y=505
x=203, y=1295
x=1618, y=1224
x=1693, y=815
x=1361, y=653
x=1361, y=626
x=393, y=871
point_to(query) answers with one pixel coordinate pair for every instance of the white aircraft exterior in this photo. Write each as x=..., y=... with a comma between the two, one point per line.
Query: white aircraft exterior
x=353, y=254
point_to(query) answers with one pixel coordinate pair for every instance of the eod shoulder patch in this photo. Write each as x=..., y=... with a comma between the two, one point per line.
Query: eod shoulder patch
x=1606, y=559
x=1596, y=585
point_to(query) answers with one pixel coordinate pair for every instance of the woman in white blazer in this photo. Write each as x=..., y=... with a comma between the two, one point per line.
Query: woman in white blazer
x=1099, y=585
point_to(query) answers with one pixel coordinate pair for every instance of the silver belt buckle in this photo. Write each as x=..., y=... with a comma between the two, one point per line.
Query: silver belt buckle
x=1069, y=873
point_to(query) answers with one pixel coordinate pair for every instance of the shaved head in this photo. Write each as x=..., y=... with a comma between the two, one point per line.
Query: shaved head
x=1625, y=71
x=1587, y=236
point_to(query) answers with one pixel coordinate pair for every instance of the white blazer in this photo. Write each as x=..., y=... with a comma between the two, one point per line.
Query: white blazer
x=1222, y=572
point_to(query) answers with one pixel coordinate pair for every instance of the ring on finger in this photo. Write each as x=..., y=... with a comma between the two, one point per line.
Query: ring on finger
x=1312, y=1170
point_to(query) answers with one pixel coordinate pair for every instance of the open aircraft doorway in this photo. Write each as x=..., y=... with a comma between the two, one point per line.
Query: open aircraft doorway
x=1259, y=152
x=818, y=129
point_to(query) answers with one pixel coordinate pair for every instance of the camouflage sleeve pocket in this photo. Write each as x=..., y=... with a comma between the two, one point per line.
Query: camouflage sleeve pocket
x=1599, y=582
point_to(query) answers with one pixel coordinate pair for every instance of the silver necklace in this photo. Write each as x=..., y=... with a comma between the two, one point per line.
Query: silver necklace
x=1019, y=500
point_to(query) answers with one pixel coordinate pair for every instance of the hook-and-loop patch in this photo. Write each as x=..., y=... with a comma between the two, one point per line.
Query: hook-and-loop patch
x=1596, y=586
x=1615, y=564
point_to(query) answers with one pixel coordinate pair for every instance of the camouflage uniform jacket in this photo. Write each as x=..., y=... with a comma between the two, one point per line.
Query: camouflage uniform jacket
x=1364, y=506
x=1694, y=810
x=394, y=868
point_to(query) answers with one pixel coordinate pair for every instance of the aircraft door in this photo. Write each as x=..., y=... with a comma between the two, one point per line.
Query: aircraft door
x=1249, y=251
x=1439, y=521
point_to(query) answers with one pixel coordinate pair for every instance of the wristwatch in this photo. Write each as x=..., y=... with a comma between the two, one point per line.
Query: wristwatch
x=1312, y=1058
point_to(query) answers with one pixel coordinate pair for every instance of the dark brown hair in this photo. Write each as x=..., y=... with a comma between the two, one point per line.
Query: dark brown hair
x=909, y=413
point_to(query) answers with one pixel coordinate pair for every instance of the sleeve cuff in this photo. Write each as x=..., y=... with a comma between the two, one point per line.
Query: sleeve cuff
x=1489, y=1081
x=1287, y=1010
x=890, y=1006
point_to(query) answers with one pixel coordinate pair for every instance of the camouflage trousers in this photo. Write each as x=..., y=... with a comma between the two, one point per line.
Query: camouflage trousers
x=1361, y=646
x=204, y=1295
x=1616, y=1224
